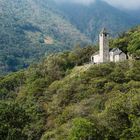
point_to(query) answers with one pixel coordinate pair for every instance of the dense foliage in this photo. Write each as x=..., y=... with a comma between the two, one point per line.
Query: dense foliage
x=30, y=29
x=129, y=42
x=61, y=99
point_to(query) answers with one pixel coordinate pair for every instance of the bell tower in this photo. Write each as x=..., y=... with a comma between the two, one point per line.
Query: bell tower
x=104, y=46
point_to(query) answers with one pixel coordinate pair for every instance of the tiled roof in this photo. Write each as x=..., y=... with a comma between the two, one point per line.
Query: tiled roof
x=117, y=50
x=96, y=53
x=114, y=49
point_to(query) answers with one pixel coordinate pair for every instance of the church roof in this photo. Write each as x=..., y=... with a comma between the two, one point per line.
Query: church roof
x=121, y=53
x=96, y=53
x=114, y=49
x=117, y=51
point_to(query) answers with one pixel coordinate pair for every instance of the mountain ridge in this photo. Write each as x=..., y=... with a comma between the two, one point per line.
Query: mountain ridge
x=89, y=19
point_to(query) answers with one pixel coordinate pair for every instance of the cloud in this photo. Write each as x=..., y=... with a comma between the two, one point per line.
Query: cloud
x=77, y=1
x=127, y=4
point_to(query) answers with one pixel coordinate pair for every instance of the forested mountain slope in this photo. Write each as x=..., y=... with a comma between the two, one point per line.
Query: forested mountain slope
x=62, y=99
x=29, y=29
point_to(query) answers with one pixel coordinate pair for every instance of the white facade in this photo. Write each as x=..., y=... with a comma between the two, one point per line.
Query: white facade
x=104, y=55
x=120, y=57
x=114, y=54
x=95, y=59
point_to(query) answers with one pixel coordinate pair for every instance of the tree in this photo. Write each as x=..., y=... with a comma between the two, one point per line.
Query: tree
x=82, y=129
x=13, y=118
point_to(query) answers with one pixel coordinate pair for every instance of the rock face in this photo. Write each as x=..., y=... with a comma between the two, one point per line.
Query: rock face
x=48, y=40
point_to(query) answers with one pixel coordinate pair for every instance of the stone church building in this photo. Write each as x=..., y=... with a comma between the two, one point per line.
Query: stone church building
x=104, y=55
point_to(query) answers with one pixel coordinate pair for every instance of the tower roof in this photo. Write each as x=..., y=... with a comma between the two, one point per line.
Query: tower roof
x=104, y=31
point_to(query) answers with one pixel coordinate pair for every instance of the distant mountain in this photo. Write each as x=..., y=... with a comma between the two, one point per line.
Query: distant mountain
x=29, y=29
x=134, y=13
x=89, y=19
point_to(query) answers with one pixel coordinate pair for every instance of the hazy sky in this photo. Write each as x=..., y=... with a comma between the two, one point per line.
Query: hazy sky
x=128, y=4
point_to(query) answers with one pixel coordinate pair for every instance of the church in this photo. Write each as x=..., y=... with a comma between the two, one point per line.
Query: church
x=104, y=55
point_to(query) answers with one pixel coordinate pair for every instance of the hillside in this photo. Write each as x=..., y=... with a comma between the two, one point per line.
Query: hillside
x=62, y=99
x=30, y=29
x=90, y=19
x=129, y=42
